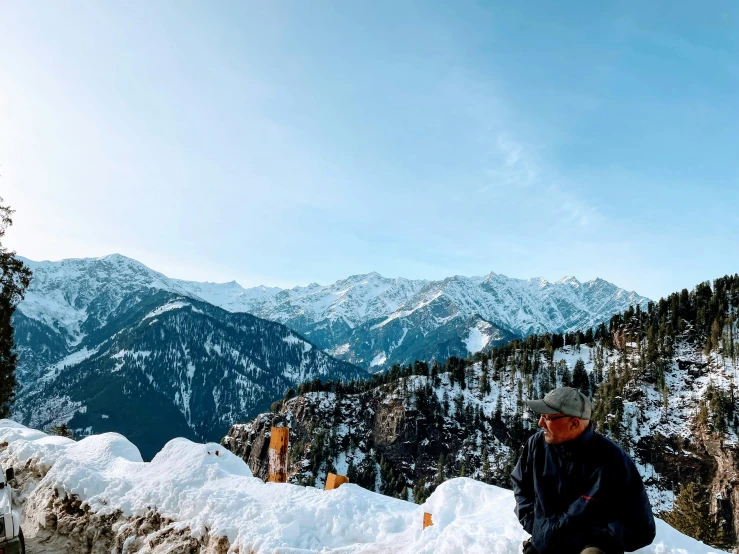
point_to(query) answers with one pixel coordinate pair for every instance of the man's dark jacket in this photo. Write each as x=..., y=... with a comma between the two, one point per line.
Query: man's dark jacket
x=582, y=492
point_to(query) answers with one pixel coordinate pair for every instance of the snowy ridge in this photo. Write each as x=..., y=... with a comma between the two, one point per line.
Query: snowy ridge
x=206, y=490
x=67, y=295
x=526, y=306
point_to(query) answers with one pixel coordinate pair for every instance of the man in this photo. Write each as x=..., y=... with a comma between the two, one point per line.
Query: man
x=576, y=491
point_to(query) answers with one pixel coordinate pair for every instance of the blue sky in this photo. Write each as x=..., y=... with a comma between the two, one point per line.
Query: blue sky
x=283, y=143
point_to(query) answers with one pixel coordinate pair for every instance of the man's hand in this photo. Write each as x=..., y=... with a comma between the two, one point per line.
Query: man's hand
x=528, y=547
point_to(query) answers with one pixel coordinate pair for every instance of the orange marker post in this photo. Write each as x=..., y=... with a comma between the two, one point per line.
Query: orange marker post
x=427, y=522
x=335, y=481
x=278, y=442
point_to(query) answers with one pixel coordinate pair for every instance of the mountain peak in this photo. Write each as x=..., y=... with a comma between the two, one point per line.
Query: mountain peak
x=570, y=280
x=115, y=256
x=360, y=277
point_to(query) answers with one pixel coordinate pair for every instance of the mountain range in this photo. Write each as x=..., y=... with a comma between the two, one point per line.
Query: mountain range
x=108, y=344
x=368, y=320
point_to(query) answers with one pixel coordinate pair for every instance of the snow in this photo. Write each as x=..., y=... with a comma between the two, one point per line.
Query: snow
x=477, y=339
x=206, y=489
x=174, y=305
x=61, y=292
x=339, y=350
x=571, y=354
x=379, y=359
x=401, y=339
x=73, y=358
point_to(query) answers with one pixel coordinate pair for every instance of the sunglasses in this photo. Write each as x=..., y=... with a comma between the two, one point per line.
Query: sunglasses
x=550, y=418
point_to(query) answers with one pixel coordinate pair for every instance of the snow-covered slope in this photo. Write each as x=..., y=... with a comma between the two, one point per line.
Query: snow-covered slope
x=369, y=320
x=208, y=493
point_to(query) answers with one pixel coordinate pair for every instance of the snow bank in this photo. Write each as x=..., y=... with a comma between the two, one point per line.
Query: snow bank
x=209, y=491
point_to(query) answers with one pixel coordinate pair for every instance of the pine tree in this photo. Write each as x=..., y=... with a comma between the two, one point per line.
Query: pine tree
x=485, y=465
x=440, y=469
x=14, y=281
x=61, y=430
x=420, y=492
x=435, y=374
x=690, y=514
x=499, y=407
x=351, y=473
x=715, y=333
x=484, y=381
x=665, y=395
x=702, y=417
x=580, y=378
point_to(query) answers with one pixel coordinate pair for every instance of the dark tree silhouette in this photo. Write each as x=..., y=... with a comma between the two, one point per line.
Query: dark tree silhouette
x=14, y=280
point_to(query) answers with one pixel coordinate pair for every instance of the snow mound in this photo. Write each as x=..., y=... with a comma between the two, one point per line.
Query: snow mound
x=207, y=490
x=470, y=516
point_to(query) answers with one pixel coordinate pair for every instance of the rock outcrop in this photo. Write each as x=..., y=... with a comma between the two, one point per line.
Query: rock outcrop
x=384, y=439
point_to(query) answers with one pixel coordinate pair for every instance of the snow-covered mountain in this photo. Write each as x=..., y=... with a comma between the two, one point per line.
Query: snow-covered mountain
x=166, y=365
x=374, y=321
x=75, y=297
x=369, y=320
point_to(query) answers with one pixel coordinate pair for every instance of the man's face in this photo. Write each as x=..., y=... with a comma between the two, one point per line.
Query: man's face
x=559, y=428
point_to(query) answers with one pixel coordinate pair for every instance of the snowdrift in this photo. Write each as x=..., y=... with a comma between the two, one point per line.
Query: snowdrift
x=206, y=491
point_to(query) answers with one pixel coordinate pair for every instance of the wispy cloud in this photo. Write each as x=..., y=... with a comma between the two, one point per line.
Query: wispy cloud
x=571, y=207
x=512, y=166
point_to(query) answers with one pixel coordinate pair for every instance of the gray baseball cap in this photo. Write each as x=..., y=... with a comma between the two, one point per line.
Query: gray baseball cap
x=565, y=401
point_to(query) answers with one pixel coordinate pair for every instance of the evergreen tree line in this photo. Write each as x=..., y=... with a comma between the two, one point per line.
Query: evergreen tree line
x=706, y=317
